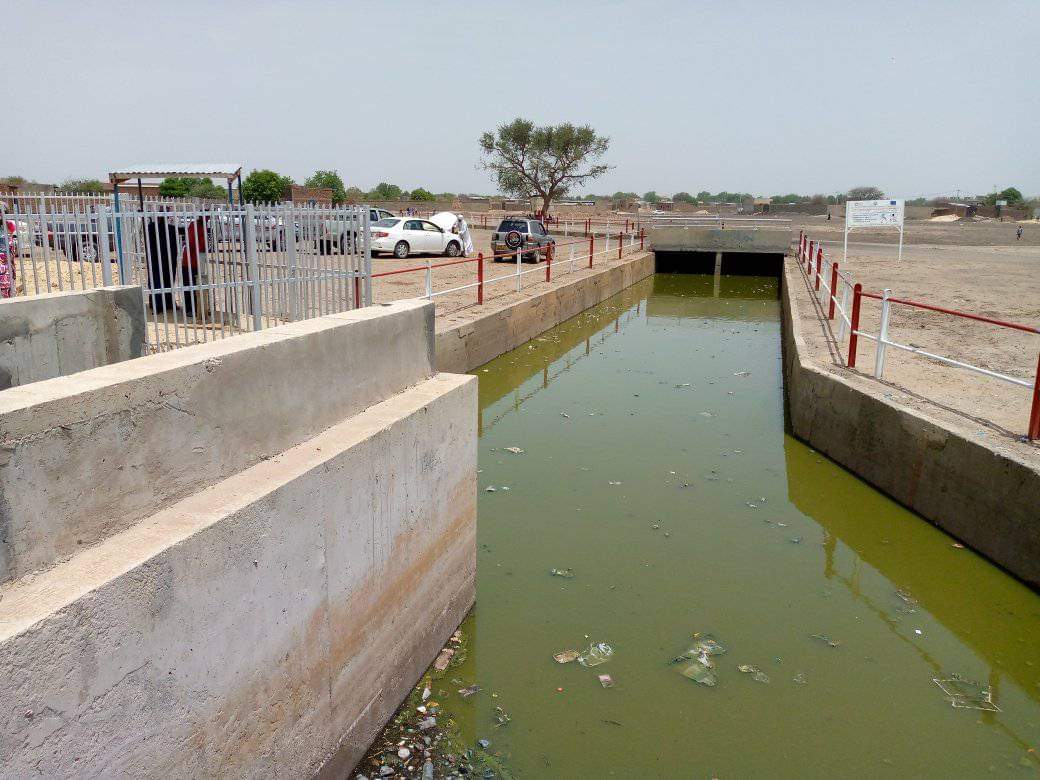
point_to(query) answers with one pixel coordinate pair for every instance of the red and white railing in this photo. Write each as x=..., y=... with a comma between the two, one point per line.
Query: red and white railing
x=834, y=288
x=579, y=254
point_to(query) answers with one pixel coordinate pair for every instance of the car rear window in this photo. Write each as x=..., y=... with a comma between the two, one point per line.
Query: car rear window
x=512, y=224
x=387, y=222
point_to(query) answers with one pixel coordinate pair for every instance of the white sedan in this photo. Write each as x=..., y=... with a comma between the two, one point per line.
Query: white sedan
x=410, y=235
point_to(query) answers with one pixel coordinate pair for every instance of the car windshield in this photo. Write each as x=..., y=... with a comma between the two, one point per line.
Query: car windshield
x=512, y=224
x=387, y=222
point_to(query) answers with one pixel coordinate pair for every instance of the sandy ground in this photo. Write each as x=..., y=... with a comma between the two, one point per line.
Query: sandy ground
x=960, y=233
x=1001, y=282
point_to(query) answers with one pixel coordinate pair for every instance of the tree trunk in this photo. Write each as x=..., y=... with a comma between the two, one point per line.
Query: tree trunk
x=546, y=201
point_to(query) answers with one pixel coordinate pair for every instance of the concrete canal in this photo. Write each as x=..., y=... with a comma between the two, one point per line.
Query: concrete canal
x=656, y=476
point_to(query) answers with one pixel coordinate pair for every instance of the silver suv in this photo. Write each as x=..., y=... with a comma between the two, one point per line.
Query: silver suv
x=514, y=233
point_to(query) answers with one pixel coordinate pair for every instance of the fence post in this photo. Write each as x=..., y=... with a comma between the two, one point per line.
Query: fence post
x=103, y=258
x=834, y=290
x=812, y=246
x=429, y=279
x=294, y=284
x=642, y=233
x=819, y=263
x=253, y=268
x=592, y=245
x=857, y=295
x=548, y=262
x=801, y=235
x=1034, y=413
x=879, y=360
x=620, y=244
x=571, y=257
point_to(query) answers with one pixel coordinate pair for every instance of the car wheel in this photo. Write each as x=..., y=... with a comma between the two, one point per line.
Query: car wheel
x=453, y=249
x=401, y=250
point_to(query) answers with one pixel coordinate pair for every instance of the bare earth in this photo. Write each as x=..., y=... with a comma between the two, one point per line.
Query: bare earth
x=956, y=271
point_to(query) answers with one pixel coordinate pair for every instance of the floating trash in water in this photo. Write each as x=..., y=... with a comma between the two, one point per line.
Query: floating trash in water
x=514, y=450
x=967, y=694
x=825, y=639
x=606, y=680
x=469, y=690
x=705, y=414
x=696, y=664
x=756, y=674
x=795, y=540
x=701, y=674
x=613, y=483
x=909, y=602
x=564, y=414
x=596, y=654
x=800, y=678
x=752, y=506
x=443, y=659
x=484, y=743
x=490, y=489
x=742, y=373
x=567, y=574
x=566, y=656
x=501, y=717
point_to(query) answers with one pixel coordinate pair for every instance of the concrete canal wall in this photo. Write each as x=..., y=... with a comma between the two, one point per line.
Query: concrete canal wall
x=462, y=347
x=987, y=498
x=254, y=549
x=44, y=336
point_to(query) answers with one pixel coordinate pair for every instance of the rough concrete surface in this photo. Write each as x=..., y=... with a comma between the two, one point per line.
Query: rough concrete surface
x=984, y=492
x=465, y=342
x=44, y=336
x=86, y=455
x=263, y=627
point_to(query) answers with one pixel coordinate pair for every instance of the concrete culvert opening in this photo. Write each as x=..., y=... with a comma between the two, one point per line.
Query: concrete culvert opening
x=684, y=262
x=752, y=264
x=729, y=263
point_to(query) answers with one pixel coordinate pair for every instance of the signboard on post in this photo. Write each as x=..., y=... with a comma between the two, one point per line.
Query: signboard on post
x=874, y=214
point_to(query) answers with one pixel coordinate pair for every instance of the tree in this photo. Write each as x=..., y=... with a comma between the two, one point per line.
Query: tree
x=651, y=197
x=1010, y=194
x=420, y=194
x=80, y=185
x=328, y=180
x=703, y=196
x=546, y=162
x=265, y=186
x=865, y=193
x=619, y=196
x=384, y=191
x=354, y=195
x=13, y=181
x=683, y=197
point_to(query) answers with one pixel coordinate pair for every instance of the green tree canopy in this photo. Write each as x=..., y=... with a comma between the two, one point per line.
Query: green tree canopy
x=865, y=193
x=651, y=197
x=684, y=197
x=203, y=189
x=265, y=186
x=619, y=195
x=421, y=194
x=1010, y=194
x=80, y=185
x=546, y=162
x=385, y=191
x=331, y=180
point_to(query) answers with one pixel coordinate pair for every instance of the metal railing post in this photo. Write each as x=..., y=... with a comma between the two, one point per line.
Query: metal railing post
x=571, y=257
x=833, y=291
x=548, y=262
x=592, y=246
x=103, y=258
x=879, y=360
x=642, y=233
x=819, y=262
x=429, y=279
x=620, y=244
x=253, y=268
x=519, y=259
x=480, y=277
x=857, y=295
x=1034, y=413
x=294, y=285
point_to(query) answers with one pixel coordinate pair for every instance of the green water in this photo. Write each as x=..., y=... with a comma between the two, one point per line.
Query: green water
x=651, y=386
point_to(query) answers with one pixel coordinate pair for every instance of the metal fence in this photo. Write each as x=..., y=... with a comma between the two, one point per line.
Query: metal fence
x=207, y=270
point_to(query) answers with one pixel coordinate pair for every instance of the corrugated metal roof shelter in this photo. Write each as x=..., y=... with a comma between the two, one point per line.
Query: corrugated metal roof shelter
x=228, y=171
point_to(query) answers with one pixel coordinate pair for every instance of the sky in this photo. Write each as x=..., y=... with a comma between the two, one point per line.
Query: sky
x=917, y=98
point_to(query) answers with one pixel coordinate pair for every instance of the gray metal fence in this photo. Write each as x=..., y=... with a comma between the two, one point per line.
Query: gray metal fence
x=207, y=270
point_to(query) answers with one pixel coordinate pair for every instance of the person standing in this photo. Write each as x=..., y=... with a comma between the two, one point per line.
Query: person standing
x=161, y=251
x=1018, y=233
x=466, y=236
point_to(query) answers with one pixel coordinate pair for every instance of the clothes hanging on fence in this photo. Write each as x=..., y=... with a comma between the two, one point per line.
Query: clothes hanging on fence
x=161, y=248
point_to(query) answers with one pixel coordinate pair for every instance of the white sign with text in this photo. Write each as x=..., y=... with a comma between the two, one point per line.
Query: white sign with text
x=874, y=213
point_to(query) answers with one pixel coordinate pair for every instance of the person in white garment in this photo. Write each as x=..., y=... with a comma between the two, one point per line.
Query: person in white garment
x=467, y=238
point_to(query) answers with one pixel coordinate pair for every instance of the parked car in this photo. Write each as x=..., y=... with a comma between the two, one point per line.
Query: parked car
x=514, y=233
x=338, y=235
x=77, y=236
x=20, y=236
x=410, y=235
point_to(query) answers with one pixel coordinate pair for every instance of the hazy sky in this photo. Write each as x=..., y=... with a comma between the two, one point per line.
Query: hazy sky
x=919, y=98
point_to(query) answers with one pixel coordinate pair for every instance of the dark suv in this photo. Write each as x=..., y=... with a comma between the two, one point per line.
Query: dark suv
x=514, y=233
